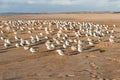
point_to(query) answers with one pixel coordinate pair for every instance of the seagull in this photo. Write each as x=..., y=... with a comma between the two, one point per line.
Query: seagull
x=27, y=42
x=59, y=35
x=46, y=37
x=26, y=47
x=30, y=32
x=60, y=52
x=22, y=42
x=37, y=38
x=6, y=45
x=2, y=38
x=79, y=42
x=67, y=43
x=111, y=36
x=57, y=42
x=17, y=45
x=33, y=50
x=75, y=40
x=111, y=40
x=41, y=34
x=50, y=46
x=7, y=41
x=64, y=46
x=33, y=40
x=17, y=38
x=73, y=48
x=90, y=42
x=80, y=49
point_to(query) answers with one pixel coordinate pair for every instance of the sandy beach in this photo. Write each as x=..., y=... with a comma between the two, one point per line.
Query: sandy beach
x=99, y=62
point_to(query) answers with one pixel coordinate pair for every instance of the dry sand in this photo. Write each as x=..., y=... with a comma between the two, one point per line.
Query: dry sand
x=98, y=63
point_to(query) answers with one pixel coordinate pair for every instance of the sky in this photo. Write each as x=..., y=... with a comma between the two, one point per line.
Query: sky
x=49, y=6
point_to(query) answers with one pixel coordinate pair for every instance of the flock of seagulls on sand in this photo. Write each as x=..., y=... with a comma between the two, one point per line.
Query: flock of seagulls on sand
x=58, y=36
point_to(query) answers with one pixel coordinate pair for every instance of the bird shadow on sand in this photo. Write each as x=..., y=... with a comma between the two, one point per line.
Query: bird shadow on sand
x=8, y=48
x=3, y=51
x=47, y=53
x=38, y=43
x=14, y=78
x=49, y=50
x=99, y=50
x=117, y=41
x=1, y=44
x=89, y=47
x=72, y=53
